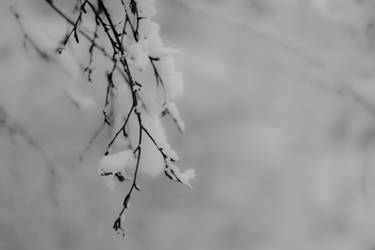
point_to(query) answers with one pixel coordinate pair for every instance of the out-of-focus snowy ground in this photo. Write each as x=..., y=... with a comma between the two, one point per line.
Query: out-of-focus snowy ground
x=280, y=114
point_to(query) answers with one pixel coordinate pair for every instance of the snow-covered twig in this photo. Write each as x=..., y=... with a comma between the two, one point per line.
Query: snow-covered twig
x=135, y=45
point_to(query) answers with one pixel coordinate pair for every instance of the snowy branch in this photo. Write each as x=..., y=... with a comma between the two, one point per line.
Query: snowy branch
x=135, y=45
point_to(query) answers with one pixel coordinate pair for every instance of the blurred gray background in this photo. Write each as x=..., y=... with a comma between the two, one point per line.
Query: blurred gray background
x=280, y=112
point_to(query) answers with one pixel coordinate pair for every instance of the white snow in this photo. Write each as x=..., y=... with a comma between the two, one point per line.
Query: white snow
x=185, y=177
x=146, y=7
x=173, y=111
x=109, y=165
x=138, y=56
x=174, y=85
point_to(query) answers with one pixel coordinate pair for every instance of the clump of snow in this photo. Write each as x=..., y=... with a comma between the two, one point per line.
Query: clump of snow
x=154, y=126
x=148, y=28
x=116, y=162
x=112, y=164
x=168, y=151
x=184, y=177
x=138, y=56
x=172, y=110
x=172, y=79
x=166, y=66
x=174, y=85
x=151, y=41
x=146, y=7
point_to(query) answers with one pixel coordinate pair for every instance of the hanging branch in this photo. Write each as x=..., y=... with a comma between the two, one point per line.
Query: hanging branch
x=115, y=34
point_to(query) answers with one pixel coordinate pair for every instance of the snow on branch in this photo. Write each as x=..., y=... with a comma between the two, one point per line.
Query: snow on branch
x=133, y=106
